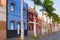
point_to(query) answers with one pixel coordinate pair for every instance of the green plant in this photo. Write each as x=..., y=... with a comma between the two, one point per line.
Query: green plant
x=35, y=37
x=18, y=38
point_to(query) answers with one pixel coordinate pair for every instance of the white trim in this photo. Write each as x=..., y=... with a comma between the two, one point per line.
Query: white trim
x=33, y=22
x=12, y=25
x=18, y=28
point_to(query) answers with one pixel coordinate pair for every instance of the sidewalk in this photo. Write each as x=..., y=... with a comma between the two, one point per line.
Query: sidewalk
x=41, y=37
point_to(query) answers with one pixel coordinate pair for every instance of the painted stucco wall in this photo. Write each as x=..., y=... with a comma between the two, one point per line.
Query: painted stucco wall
x=25, y=15
x=2, y=13
x=16, y=15
x=3, y=2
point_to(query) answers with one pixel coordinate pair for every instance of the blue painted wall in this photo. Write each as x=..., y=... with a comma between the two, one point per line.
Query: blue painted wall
x=16, y=15
x=25, y=15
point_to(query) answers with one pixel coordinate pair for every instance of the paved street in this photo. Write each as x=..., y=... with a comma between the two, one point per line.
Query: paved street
x=51, y=36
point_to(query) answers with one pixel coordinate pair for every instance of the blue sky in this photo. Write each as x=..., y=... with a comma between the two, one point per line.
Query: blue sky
x=56, y=6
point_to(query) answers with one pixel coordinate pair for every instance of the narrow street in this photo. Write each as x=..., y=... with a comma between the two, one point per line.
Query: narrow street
x=51, y=36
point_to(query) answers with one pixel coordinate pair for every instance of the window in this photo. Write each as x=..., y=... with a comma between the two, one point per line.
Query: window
x=18, y=27
x=24, y=24
x=12, y=8
x=12, y=25
x=31, y=27
x=12, y=4
x=31, y=16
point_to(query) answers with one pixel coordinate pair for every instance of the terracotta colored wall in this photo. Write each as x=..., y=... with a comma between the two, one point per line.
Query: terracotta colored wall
x=39, y=21
x=2, y=25
x=2, y=34
x=2, y=30
x=3, y=2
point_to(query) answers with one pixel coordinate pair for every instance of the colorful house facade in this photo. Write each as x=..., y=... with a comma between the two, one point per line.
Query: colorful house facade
x=2, y=19
x=39, y=21
x=14, y=18
x=31, y=14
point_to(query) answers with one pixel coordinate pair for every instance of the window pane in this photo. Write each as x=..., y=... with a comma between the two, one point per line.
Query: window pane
x=12, y=7
x=18, y=28
x=12, y=25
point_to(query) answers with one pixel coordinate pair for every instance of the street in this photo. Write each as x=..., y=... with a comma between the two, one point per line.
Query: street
x=51, y=36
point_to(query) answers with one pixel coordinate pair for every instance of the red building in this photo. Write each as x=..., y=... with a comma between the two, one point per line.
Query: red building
x=31, y=14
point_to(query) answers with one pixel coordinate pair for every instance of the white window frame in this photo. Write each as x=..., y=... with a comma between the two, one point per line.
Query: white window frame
x=12, y=25
x=18, y=28
x=12, y=8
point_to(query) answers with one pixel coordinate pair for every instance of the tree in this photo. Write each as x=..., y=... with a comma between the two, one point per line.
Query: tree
x=35, y=34
x=22, y=23
x=55, y=19
x=47, y=6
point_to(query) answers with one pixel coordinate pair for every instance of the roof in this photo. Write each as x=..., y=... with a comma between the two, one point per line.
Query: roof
x=32, y=10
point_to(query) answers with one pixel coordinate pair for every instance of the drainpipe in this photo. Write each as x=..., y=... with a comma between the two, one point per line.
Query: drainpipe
x=22, y=22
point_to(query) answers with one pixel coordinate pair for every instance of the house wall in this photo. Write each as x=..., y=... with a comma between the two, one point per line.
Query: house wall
x=31, y=14
x=2, y=22
x=16, y=17
x=3, y=2
x=39, y=21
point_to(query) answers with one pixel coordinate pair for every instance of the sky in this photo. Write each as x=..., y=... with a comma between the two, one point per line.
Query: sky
x=56, y=6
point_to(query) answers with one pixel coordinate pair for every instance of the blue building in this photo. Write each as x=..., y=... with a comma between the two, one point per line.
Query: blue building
x=14, y=17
